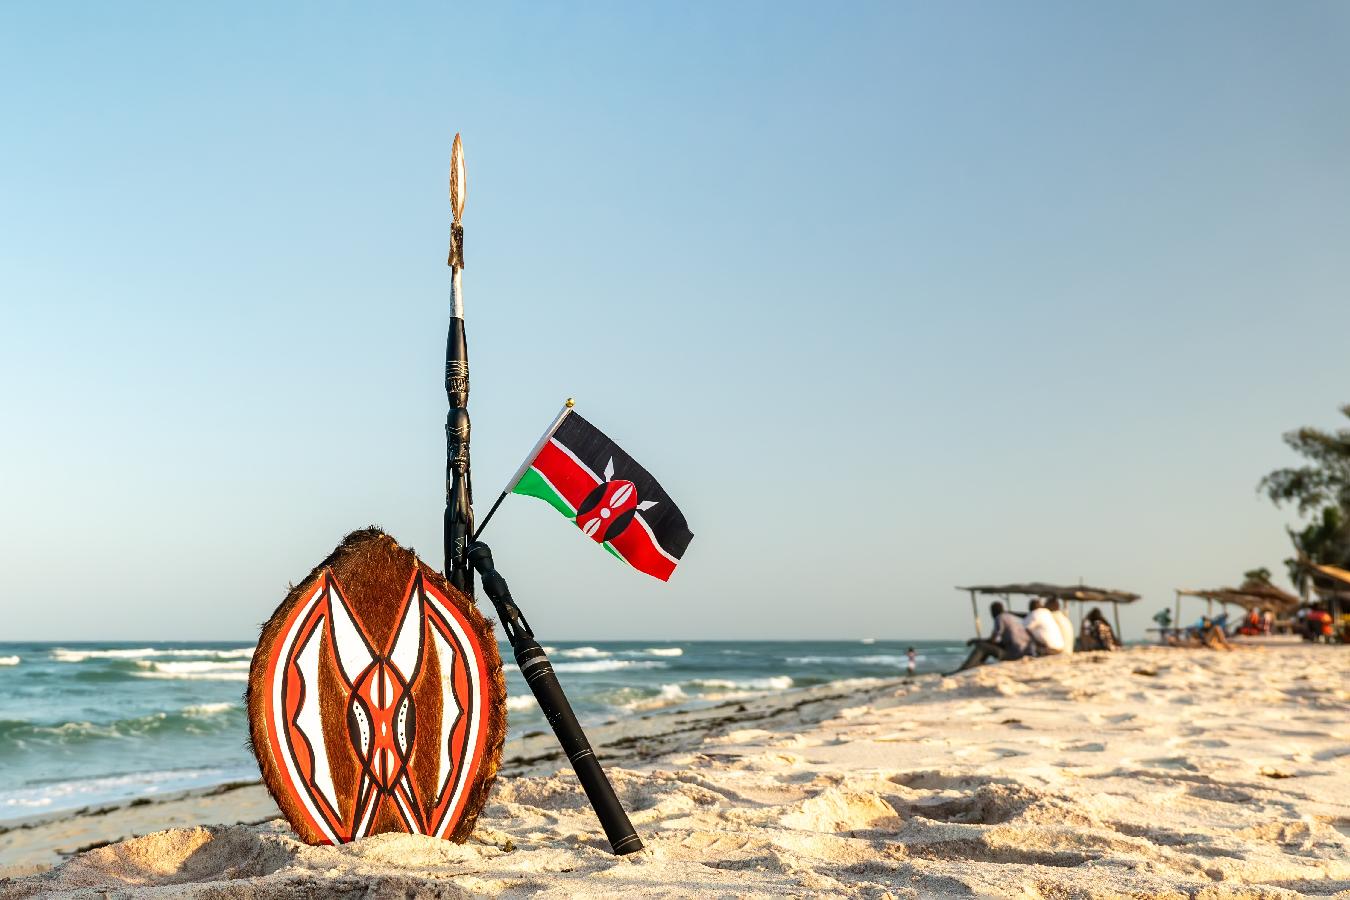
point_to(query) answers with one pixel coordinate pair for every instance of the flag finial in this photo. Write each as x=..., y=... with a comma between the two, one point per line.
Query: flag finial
x=570, y=403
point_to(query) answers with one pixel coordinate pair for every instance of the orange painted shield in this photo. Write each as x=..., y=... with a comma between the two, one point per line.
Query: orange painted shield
x=376, y=699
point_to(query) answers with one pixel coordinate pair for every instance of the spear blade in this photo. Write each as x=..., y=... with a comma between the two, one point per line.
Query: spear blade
x=457, y=181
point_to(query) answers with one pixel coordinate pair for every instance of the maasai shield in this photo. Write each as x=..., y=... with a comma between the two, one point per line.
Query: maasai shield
x=376, y=699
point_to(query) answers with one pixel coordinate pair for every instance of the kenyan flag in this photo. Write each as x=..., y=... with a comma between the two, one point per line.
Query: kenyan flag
x=613, y=500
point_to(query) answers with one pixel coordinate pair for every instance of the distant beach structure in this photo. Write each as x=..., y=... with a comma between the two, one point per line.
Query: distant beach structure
x=1066, y=594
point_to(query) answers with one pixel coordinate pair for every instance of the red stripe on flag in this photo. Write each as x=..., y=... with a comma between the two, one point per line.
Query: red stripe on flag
x=572, y=480
x=636, y=546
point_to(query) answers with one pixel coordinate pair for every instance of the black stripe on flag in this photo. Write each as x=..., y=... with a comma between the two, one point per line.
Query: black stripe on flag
x=594, y=449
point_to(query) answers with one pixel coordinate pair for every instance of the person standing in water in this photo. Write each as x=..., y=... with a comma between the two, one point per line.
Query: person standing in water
x=911, y=662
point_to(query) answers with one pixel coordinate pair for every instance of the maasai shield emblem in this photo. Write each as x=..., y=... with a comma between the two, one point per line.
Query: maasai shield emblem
x=376, y=699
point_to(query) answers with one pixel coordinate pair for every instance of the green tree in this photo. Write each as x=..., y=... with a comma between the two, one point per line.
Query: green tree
x=1256, y=576
x=1320, y=490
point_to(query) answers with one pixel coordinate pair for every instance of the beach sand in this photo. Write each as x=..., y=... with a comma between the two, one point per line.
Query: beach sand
x=1148, y=773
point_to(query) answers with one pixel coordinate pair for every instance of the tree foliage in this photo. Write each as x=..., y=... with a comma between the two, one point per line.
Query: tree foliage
x=1324, y=481
x=1256, y=576
x=1320, y=490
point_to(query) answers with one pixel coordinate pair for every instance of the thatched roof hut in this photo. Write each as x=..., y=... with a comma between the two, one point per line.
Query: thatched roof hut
x=1332, y=584
x=1252, y=595
x=1073, y=593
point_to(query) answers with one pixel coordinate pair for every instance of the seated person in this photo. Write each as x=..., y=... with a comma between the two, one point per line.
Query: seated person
x=1044, y=630
x=1009, y=640
x=1096, y=633
x=1252, y=625
x=1063, y=621
x=1212, y=635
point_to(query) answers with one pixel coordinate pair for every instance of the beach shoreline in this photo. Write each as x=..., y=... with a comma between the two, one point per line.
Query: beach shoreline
x=1152, y=771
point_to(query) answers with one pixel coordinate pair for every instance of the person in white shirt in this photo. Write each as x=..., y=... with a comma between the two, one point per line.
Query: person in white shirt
x=1061, y=619
x=1044, y=630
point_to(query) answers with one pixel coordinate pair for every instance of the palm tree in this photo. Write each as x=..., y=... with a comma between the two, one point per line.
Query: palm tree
x=1321, y=492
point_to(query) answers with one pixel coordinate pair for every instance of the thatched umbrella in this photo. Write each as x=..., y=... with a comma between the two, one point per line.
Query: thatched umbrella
x=1074, y=593
x=1332, y=584
x=1254, y=594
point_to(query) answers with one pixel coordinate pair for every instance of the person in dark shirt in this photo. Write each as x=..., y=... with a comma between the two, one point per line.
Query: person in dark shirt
x=1009, y=640
x=1096, y=633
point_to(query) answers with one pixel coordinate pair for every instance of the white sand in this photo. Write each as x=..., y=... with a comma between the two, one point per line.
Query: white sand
x=1148, y=773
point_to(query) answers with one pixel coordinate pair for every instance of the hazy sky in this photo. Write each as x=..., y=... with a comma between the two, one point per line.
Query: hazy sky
x=890, y=297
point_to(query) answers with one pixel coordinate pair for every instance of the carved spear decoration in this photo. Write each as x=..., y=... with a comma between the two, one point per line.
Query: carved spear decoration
x=458, y=484
x=460, y=561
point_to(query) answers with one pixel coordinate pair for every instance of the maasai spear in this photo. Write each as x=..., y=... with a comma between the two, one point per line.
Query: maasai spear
x=462, y=556
x=458, y=485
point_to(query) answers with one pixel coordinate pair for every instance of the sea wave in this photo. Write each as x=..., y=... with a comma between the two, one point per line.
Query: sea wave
x=20, y=735
x=9, y=660
x=63, y=654
x=202, y=665
x=876, y=659
x=668, y=695
x=195, y=670
x=202, y=710
x=650, y=651
x=608, y=665
x=111, y=788
x=520, y=702
x=584, y=653
x=194, y=676
x=772, y=683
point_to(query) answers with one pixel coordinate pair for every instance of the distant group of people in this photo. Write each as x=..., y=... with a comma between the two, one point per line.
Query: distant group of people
x=1208, y=631
x=1044, y=630
x=1314, y=623
x=1256, y=622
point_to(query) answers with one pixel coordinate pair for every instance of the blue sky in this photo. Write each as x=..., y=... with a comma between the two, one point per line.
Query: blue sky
x=890, y=297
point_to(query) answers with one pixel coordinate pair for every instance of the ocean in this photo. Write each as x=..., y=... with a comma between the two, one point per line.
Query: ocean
x=85, y=724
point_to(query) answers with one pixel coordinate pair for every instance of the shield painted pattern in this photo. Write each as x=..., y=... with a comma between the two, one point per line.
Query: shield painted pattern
x=376, y=699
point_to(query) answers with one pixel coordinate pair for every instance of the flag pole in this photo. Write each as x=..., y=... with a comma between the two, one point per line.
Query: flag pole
x=539, y=675
x=458, y=484
x=525, y=466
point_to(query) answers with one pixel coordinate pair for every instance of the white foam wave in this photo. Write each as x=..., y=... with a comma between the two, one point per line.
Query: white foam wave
x=194, y=667
x=608, y=665
x=877, y=659
x=62, y=654
x=193, y=671
x=9, y=660
x=668, y=695
x=203, y=710
x=79, y=792
x=584, y=653
x=520, y=702
x=665, y=651
x=772, y=683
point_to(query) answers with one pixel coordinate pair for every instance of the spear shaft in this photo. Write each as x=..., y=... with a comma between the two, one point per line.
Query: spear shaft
x=458, y=483
x=460, y=563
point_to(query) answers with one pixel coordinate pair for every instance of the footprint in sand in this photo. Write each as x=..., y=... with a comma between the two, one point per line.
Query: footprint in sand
x=836, y=809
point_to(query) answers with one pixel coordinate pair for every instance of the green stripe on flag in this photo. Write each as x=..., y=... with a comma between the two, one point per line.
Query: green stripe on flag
x=532, y=484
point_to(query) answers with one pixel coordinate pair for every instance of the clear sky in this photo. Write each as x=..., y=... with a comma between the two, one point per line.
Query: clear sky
x=891, y=297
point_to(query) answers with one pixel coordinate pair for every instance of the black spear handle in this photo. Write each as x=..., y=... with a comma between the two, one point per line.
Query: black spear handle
x=538, y=672
x=458, y=487
x=458, y=481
